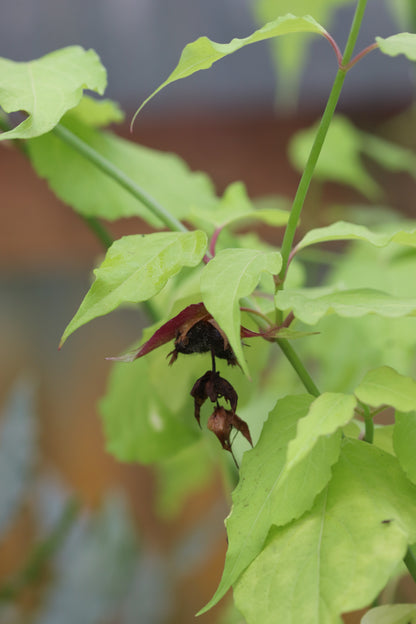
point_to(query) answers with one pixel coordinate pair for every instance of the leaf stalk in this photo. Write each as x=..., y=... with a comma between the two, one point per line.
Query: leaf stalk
x=119, y=176
x=298, y=366
x=368, y=424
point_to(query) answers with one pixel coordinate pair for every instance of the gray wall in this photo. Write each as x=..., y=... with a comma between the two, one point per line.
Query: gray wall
x=140, y=41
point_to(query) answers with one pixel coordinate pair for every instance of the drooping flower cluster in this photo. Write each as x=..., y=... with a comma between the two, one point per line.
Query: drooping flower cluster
x=195, y=331
x=222, y=421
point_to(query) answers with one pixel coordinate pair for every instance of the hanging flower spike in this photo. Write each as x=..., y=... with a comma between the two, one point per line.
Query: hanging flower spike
x=212, y=386
x=167, y=332
x=203, y=336
x=194, y=330
x=222, y=421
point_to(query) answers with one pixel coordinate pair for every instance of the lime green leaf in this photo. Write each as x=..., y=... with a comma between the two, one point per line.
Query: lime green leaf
x=391, y=614
x=383, y=438
x=341, y=230
x=327, y=413
x=136, y=268
x=252, y=514
x=236, y=206
x=146, y=411
x=385, y=386
x=275, y=217
x=389, y=155
x=353, y=429
x=289, y=54
x=48, y=87
x=90, y=192
x=189, y=471
x=203, y=53
x=230, y=275
x=97, y=113
x=299, y=443
x=353, y=347
x=297, y=577
x=404, y=442
x=402, y=43
x=311, y=304
x=339, y=160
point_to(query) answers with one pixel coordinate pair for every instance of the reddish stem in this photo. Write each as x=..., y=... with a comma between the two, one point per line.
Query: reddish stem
x=291, y=256
x=288, y=320
x=214, y=239
x=359, y=56
x=335, y=47
x=356, y=58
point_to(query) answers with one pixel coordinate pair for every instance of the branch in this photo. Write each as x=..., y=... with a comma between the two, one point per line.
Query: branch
x=119, y=176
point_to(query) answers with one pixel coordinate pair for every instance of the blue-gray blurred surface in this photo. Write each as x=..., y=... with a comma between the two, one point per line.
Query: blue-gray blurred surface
x=140, y=41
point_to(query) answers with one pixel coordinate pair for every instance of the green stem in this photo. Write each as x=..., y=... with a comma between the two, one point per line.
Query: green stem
x=410, y=561
x=257, y=313
x=100, y=231
x=287, y=349
x=361, y=55
x=119, y=176
x=326, y=119
x=298, y=366
x=369, y=425
x=105, y=238
x=4, y=126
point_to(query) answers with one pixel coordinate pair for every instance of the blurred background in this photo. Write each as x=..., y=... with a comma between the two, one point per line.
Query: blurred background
x=115, y=558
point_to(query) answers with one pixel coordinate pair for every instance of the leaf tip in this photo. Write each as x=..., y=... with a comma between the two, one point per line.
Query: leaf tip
x=133, y=120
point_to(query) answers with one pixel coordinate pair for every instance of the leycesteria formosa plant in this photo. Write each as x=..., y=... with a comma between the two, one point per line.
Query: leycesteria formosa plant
x=325, y=508
x=194, y=330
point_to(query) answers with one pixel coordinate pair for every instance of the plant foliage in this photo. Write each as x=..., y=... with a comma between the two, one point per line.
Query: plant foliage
x=325, y=506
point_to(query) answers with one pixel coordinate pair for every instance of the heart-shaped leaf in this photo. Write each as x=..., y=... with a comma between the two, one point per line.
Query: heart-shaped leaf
x=89, y=191
x=203, y=53
x=366, y=517
x=340, y=157
x=404, y=441
x=402, y=43
x=299, y=443
x=48, y=87
x=386, y=386
x=341, y=230
x=97, y=113
x=136, y=268
x=391, y=614
x=142, y=418
x=229, y=276
x=309, y=305
x=235, y=206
